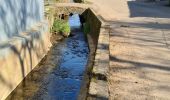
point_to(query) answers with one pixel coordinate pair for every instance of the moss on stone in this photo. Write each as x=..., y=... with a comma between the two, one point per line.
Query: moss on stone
x=86, y=28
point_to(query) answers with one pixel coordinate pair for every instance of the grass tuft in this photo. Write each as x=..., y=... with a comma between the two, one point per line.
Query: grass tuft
x=61, y=26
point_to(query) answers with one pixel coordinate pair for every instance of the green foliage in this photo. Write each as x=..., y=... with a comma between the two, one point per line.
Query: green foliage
x=66, y=28
x=86, y=28
x=61, y=26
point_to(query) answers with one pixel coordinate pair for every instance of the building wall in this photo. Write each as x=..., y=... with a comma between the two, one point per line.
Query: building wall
x=20, y=55
x=18, y=15
x=24, y=40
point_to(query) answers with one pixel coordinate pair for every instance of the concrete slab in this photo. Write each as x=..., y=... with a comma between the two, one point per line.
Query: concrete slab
x=139, y=48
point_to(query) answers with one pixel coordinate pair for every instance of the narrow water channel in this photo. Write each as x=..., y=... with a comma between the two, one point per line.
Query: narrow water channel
x=59, y=75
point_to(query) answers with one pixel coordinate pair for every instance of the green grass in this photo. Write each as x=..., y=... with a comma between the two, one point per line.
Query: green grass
x=61, y=26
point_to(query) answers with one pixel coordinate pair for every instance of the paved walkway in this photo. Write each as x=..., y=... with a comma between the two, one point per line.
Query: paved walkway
x=139, y=49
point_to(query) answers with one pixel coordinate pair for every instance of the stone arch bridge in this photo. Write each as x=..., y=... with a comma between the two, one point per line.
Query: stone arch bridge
x=67, y=8
x=53, y=11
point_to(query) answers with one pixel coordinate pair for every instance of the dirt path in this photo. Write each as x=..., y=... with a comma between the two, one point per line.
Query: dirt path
x=139, y=49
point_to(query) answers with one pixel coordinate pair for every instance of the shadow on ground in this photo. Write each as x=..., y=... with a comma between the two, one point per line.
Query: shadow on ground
x=148, y=9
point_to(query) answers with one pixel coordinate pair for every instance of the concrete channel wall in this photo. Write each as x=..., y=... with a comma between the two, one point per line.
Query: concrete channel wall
x=94, y=86
x=94, y=25
x=18, y=15
x=24, y=40
x=20, y=55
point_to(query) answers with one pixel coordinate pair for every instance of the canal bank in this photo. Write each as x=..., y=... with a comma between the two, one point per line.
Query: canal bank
x=95, y=82
x=59, y=74
x=90, y=80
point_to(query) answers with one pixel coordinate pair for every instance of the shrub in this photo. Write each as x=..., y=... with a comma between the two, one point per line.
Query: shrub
x=61, y=26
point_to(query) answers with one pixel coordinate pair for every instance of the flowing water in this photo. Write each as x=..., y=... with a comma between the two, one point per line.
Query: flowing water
x=60, y=73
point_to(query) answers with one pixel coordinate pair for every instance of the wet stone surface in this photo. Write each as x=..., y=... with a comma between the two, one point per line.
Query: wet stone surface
x=59, y=75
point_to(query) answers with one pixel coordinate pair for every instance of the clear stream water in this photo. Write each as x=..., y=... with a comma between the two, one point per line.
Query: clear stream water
x=59, y=76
